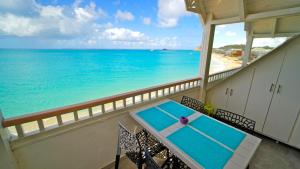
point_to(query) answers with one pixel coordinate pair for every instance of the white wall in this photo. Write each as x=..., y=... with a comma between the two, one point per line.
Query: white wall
x=4, y=160
x=88, y=144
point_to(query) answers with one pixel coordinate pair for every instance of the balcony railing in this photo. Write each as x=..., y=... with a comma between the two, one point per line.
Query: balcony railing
x=222, y=75
x=40, y=121
x=37, y=122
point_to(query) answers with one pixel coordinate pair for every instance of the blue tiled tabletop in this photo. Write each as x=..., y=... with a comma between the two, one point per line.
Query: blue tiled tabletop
x=176, y=109
x=156, y=118
x=224, y=134
x=204, y=151
x=208, y=142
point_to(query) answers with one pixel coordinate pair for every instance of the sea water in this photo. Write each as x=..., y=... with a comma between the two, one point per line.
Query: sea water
x=36, y=80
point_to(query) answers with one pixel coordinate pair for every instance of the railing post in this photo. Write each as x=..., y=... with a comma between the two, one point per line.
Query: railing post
x=20, y=130
x=59, y=120
x=76, y=118
x=142, y=98
x=41, y=125
x=90, y=112
x=124, y=103
x=5, y=151
x=114, y=105
x=102, y=108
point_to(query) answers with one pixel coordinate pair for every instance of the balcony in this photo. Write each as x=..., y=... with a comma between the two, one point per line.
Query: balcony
x=87, y=132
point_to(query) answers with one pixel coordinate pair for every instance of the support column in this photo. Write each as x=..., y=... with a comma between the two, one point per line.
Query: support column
x=207, y=43
x=7, y=159
x=248, y=47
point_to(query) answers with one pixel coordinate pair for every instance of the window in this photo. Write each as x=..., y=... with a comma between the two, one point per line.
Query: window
x=228, y=47
x=261, y=46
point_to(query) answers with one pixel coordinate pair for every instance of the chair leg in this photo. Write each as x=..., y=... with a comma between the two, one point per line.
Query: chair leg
x=167, y=160
x=175, y=163
x=140, y=161
x=166, y=164
x=118, y=152
x=117, y=161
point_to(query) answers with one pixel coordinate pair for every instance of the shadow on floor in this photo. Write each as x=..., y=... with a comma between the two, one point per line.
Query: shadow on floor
x=272, y=155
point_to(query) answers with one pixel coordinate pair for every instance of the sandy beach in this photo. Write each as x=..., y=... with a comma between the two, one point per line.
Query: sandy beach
x=222, y=62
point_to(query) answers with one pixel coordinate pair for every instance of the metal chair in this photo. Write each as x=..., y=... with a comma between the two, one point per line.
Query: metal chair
x=235, y=120
x=171, y=163
x=135, y=144
x=193, y=103
x=150, y=163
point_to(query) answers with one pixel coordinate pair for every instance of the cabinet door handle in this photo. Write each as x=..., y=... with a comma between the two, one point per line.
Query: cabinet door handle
x=226, y=91
x=271, y=88
x=279, y=89
x=231, y=92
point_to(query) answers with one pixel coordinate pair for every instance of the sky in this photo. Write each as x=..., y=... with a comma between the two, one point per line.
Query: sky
x=106, y=24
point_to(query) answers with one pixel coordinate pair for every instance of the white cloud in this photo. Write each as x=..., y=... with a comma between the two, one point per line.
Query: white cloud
x=88, y=13
x=221, y=26
x=136, y=39
x=122, y=34
x=92, y=42
x=19, y=26
x=170, y=11
x=147, y=21
x=28, y=7
x=124, y=15
x=73, y=26
x=51, y=11
x=273, y=42
x=50, y=20
x=230, y=33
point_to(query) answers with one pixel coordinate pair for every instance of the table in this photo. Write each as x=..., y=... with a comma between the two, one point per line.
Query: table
x=203, y=143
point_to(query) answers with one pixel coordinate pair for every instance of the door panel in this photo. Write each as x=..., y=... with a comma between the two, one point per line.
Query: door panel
x=261, y=92
x=239, y=90
x=286, y=100
x=295, y=138
x=217, y=96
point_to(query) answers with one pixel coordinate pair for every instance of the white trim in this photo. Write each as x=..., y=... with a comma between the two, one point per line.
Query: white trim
x=257, y=16
x=273, y=13
x=242, y=8
x=267, y=35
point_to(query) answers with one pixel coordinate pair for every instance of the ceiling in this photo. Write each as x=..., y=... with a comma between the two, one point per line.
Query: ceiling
x=263, y=18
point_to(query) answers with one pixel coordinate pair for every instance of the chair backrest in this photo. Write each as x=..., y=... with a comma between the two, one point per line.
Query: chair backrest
x=235, y=119
x=193, y=104
x=149, y=161
x=130, y=144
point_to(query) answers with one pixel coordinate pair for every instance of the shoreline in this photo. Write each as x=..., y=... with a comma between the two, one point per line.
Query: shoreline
x=227, y=62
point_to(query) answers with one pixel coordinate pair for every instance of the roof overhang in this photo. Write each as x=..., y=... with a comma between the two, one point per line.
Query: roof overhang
x=263, y=18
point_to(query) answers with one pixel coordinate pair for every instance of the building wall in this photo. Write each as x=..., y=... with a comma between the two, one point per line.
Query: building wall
x=4, y=160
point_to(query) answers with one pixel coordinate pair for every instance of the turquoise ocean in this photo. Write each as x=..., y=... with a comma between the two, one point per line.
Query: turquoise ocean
x=36, y=80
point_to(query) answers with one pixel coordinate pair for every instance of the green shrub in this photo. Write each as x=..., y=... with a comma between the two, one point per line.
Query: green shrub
x=209, y=109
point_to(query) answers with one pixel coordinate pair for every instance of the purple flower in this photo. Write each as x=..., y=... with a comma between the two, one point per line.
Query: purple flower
x=184, y=120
